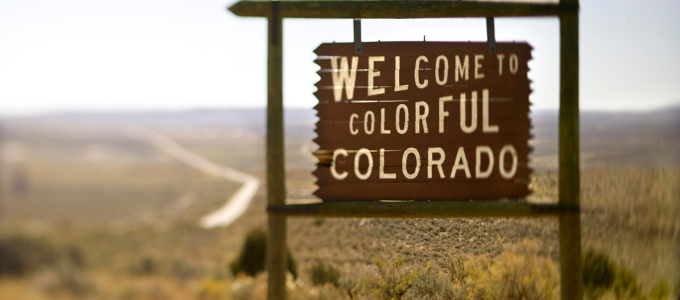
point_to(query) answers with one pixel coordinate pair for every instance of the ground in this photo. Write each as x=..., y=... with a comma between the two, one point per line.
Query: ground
x=132, y=212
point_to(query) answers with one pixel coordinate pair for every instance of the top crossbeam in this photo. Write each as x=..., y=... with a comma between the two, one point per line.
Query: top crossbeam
x=399, y=9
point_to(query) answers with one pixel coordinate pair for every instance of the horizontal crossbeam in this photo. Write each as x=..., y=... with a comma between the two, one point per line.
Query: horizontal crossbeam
x=363, y=9
x=422, y=209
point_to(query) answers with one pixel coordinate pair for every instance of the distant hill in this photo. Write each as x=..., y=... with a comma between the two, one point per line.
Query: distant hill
x=639, y=138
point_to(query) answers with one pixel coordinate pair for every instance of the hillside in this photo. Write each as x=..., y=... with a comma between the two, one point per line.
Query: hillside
x=78, y=179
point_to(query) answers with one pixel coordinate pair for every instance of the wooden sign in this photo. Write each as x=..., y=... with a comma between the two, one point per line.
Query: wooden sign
x=423, y=120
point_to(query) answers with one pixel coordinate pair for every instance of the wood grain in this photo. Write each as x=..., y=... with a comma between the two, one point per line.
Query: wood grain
x=366, y=9
x=369, y=122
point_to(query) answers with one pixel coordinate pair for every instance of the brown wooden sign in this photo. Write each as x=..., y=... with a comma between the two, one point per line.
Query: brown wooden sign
x=423, y=120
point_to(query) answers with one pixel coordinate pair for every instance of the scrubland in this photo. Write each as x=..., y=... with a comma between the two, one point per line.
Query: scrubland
x=88, y=213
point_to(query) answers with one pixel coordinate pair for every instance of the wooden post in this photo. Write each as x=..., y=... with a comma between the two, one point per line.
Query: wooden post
x=276, y=188
x=569, y=172
x=3, y=170
x=568, y=207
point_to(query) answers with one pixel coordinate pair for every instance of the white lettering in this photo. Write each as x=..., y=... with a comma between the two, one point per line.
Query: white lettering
x=405, y=109
x=461, y=163
x=382, y=122
x=463, y=113
x=417, y=73
x=501, y=161
x=384, y=175
x=397, y=87
x=351, y=122
x=485, y=113
x=478, y=66
x=336, y=175
x=514, y=64
x=421, y=117
x=446, y=70
x=438, y=162
x=344, y=76
x=478, y=162
x=363, y=152
x=500, y=63
x=372, y=91
x=462, y=69
x=366, y=115
x=443, y=113
x=404, y=160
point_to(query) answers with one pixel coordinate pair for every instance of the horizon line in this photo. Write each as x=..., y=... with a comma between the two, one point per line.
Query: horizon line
x=224, y=109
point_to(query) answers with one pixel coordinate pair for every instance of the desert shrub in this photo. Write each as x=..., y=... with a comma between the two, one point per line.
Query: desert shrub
x=599, y=273
x=21, y=255
x=457, y=275
x=477, y=274
x=351, y=286
x=430, y=285
x=243, y=290
x=322, y=273
x=394, y=279
x=74, y=256
x=184, y=270
x=660, y=290
x=212, y=289
x=518, y=273
x=329, y=293
x=143, y=291
x=456, y=268
x=68, y=280
x=251, y=258
x=143, y=266
x=626, y=285
x=292, y=265
x=248, y=288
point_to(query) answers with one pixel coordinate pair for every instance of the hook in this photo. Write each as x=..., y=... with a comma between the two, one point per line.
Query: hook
x=357, y=36
x=490, y=34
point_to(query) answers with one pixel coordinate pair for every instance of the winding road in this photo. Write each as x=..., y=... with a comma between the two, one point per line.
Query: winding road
x=235, y=206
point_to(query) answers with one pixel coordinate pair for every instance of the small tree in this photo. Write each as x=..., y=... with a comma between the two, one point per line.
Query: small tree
x=599, y=273
x=430, y=285
x=395, y=279
x=251, y=258
x=324, y=273
x=626, y=285
x=660, y=291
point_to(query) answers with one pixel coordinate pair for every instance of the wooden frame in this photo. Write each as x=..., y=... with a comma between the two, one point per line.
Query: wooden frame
x=568, y=207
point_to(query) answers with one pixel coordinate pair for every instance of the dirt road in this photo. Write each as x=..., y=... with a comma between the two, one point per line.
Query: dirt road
x=235, y=206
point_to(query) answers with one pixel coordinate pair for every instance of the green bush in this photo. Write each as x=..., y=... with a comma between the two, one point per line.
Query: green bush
x=74, y=256
x=20, y=255
x=251, y=258
x=456, y=268
x=519, y=273
x=324, y=273
x=599, y=273
x=351, y=285
x=143, y=266
x=319, y=221
x=660, y=291
x=69, y=280
x=184, y=270
x=430, y=286
x=626, y=285
x=394, y=279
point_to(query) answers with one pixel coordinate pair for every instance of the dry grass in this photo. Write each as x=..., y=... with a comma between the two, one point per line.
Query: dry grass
x=120, y=208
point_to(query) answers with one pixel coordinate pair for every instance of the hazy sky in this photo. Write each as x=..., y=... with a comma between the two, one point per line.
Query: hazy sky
x=95, y=55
